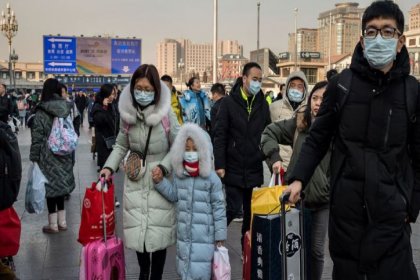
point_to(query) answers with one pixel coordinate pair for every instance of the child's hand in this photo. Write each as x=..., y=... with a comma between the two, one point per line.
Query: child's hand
x=220, y=243
x=157, y=175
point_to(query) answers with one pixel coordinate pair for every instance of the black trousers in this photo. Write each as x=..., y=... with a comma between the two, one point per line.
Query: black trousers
x=151, y=264
x=55, y=204
x=238, y=199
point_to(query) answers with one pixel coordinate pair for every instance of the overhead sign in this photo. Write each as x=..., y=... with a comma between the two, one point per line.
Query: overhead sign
x=314, y=55
x=284, y=55
x=60, y=55
x=89, y=55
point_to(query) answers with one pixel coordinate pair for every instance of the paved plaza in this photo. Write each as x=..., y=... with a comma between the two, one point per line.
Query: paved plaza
x=43, y=257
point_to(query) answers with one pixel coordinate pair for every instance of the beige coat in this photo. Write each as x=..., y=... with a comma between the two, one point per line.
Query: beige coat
x=283, y=110
x=149, y=220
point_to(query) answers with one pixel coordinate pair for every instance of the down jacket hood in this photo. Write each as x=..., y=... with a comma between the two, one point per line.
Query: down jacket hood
x=57, y=107
x=152, y=115
x=202, y=143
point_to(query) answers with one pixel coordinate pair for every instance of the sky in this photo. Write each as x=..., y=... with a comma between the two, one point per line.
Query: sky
x=154, y=20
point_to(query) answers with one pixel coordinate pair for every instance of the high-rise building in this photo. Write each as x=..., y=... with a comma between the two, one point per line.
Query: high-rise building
x=168, y=56
x=229, y=47
x=307, y=41
x=414, y=18
x=344, y=24
x=198, y=58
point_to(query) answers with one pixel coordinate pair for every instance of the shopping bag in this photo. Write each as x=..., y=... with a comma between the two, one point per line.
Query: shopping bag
x=91, y=225
x=266, y=200
x=221, y=264
x=10, y=228
x=35, y=190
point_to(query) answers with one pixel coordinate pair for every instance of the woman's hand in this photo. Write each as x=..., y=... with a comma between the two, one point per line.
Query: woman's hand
x=220, y=243
x=106, y=172
x=157, y=175
x=106, y=101
x=277, y=167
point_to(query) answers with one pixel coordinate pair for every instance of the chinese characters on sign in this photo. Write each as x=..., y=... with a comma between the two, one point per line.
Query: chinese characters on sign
x=260, y=264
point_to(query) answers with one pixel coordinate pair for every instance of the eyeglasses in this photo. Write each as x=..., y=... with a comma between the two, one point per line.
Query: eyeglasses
x=386, y=32
x=297, y=86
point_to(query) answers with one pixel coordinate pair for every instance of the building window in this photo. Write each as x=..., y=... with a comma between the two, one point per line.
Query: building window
x=412, y=42
x=30, y=75
x=311, y=74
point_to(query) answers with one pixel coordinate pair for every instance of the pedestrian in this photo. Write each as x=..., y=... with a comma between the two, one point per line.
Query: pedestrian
x=81, y=104
x=295, y=97
x=195, y=104
x=375, y=161
x=280, y=93
x=331, y=73
x=148, y=218
x=175, y=104
x=58, y=169
x=242, y=117
x=6, y=105
x=21, y=104
x=293, y=132
x=74, y=112
x=104, y=122
x=91, y=101
x=198, y=193
x=218, y=91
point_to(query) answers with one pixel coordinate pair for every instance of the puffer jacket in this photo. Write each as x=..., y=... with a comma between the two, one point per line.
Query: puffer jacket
x=195, y=107
x=292, y=133
x=283, y=110
x=200, y=206
x=57, y=169
x=148, y=218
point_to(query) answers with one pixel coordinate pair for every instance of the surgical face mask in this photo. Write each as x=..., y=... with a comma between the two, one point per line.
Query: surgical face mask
x=295, y=95
x=144, y=98
x=254, y=87
x=380, y=52
x=191, y=157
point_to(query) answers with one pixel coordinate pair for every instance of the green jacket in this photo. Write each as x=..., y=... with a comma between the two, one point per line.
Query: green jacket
x=57, y=169
x=286, y=132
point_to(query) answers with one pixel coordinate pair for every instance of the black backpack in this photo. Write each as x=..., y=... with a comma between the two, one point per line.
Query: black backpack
x=10, y=167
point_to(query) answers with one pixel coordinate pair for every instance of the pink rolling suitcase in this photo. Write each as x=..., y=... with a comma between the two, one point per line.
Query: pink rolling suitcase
x=103, y=259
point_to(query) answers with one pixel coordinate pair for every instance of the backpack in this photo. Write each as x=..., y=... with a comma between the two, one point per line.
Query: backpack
x=63, y=138
x=411, y=86
x=10, y=167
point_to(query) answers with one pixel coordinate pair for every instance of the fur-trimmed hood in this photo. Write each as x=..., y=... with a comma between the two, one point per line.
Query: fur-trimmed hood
x=202, y=143
x=152, y=115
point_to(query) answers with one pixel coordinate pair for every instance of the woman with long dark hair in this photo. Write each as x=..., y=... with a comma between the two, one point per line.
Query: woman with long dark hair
x=104, y=122
x=58, y=169
x=293, y=132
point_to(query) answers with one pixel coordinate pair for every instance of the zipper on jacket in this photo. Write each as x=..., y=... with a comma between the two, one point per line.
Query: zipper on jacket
x=388, y=125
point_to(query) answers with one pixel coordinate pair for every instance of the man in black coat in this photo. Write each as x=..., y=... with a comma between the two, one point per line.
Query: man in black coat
x=375, y=164
x=81, y=104
x=218, y=93
x=242, y=117
x=6, y=104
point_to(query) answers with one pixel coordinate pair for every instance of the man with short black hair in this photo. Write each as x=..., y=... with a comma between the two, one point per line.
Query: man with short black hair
x=242, y=117
x=175, y=104
x=218, y=92
x=371, y=113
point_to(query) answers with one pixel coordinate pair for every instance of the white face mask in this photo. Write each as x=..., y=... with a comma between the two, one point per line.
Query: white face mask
x=191, y=157
x=380, y=52
x=144, y=98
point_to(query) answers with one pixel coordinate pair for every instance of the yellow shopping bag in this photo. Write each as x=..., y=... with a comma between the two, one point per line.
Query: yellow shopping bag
x=266, y=200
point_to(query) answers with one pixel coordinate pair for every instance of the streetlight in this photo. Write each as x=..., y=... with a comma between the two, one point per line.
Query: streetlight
x=9, y=28
x=258, y=26
x=14, y=58
x=296, y=54
x=329, y=43
x=215, y=14
x=181, y=66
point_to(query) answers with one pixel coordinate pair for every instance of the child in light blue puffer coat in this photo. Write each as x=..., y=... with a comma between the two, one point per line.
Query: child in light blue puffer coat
x=198, y=192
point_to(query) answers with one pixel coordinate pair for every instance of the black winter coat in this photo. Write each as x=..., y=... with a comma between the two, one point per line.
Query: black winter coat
x=375, y=170
x=213, y=117
x=6, y=107
x=81, y=102
x=104, y=121
x=237, y=139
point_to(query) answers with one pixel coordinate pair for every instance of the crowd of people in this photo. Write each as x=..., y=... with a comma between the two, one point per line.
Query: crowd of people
x=349, y=143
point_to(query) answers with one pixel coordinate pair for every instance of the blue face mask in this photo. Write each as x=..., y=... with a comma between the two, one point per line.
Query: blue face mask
x=144, y=98
x=254, y=87
x=191, y=157
x=295, y=95
x=380, y=52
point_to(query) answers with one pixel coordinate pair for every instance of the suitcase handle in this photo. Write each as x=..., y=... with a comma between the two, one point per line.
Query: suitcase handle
x=103, y=183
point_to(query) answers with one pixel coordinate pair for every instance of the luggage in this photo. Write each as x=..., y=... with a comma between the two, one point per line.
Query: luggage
x=246, y=267
x=104, y=258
